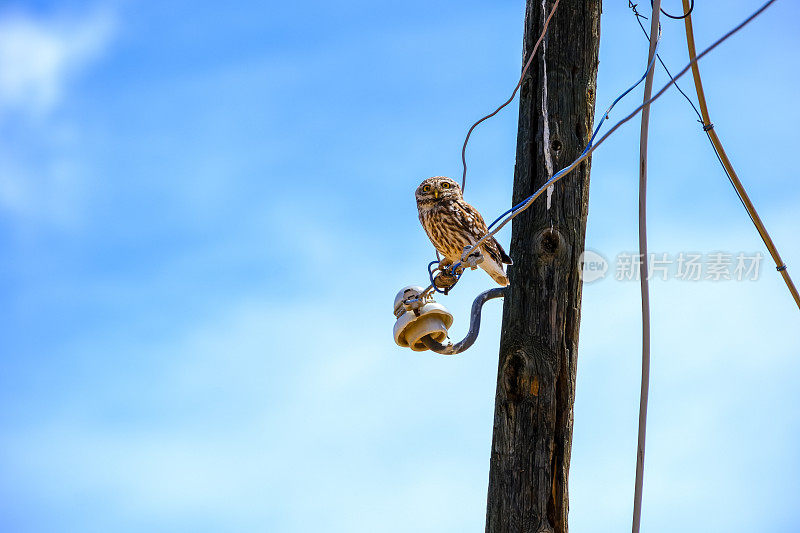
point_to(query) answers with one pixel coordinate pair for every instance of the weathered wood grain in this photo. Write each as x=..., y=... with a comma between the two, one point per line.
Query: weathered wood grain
x=538, y=349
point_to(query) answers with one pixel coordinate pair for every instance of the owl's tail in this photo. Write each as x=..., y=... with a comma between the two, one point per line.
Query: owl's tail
x=494, y=269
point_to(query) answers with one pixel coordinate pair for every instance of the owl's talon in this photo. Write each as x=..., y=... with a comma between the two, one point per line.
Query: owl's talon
x=446, y=279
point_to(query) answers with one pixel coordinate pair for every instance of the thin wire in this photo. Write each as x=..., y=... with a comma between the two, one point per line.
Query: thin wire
x=643, y=277
x=563, y=172
x=639, y=16
x=513, y=94
x=673, y=16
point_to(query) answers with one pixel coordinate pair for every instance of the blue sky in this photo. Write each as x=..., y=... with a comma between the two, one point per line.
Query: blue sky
x=206, y=211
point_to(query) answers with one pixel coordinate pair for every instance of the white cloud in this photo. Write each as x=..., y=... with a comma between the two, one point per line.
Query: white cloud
x=40, y=55
x=41, y=177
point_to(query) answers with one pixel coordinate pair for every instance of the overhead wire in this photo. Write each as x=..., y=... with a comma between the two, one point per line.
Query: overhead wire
x=565, y=171
x=708, y=127
x=594, y=134
x=716, y=145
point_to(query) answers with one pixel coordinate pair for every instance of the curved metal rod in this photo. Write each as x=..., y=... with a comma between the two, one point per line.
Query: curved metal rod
x=474, y=326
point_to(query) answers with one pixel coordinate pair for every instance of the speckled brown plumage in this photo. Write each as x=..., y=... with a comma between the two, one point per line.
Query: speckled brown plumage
x=451, y=224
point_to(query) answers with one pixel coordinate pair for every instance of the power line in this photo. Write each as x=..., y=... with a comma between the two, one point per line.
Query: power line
x=708, y=127
x=563, y=172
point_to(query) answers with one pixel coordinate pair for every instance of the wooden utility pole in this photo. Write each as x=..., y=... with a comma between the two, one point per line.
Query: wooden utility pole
x=538, y=348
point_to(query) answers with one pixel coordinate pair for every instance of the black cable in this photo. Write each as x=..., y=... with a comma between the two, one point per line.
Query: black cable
x=691, y=8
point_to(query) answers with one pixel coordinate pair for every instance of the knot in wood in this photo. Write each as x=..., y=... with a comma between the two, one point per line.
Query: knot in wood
x=550, y=242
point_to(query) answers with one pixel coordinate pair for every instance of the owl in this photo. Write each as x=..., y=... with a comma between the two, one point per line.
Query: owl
x=451, y=224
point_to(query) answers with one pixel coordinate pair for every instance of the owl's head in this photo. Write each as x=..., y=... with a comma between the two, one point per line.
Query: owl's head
x=436, y=189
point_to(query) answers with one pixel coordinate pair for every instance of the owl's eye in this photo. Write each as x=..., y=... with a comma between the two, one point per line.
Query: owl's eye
x=445, y=185
x=426, y=188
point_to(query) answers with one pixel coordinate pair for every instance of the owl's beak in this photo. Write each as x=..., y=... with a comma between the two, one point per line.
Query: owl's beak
x=436, y=193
